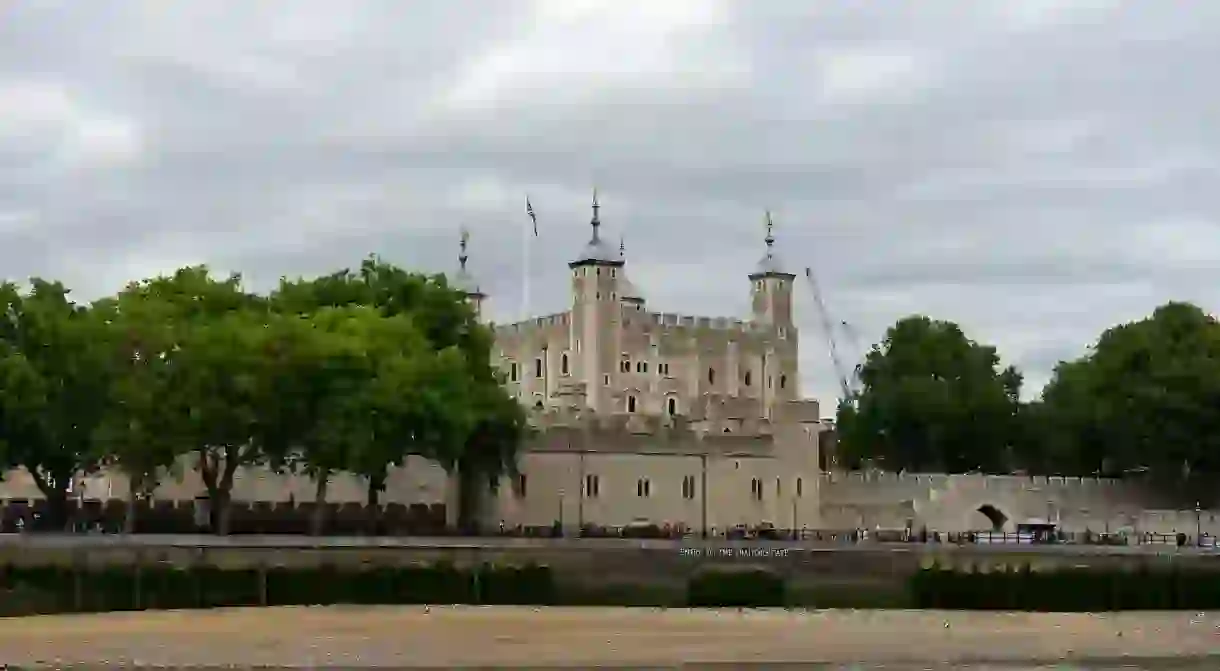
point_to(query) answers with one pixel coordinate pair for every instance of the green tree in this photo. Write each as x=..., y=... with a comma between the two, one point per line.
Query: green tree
x=931, y=400
x=215, y=376
x=137, y=436
x=1145, y=398
x=453, y=332
x=53, y=386
x=354, y=390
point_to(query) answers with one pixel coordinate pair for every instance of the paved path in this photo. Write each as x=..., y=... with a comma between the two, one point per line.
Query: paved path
x=447, y=636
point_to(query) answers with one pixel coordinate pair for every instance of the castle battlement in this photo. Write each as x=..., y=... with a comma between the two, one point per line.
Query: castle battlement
x=532, y=325
x=669, y=319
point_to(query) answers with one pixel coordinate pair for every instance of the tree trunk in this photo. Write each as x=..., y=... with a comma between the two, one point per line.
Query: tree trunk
x=57, y=510
x=318, y=524
x=133, y=500
x=469, y=499
x=54, y=488
x=376, y=486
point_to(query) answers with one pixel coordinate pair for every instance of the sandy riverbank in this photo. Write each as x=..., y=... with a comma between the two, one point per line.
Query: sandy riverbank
x=459, y=635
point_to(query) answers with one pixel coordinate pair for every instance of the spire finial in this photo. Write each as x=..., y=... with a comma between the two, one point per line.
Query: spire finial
x=596, y=222
x=770, y=239
x=462, y=257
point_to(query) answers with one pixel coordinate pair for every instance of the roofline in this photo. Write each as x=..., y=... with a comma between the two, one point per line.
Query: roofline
x=596, y=262
x=772, y=273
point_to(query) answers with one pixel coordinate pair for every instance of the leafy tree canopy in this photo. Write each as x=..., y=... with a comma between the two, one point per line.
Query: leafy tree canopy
x=932, y=400
x=1146, y=397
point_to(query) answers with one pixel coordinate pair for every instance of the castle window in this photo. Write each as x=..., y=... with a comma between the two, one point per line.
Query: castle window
x=783, y=381
x=756, y=489
x=672, y=405
x=606, y=379
x=799, y=486
x=613, y=296
x=630, y=404
x=613, y=273
x=711, y=376
x=520, y=490
x=538, y=367
x=537, y=405
x=625, y=366
x=592, y=486
x=599, y=295
x=643, y=488
x=645, y=366
x=747, y=378
x=563, y=364
x=777, y=489
x=512, y=373
x=599, y=272
x=688, y=487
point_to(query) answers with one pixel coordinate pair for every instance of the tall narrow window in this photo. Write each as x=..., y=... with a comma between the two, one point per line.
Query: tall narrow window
x=783, y=381
x=630, y=404
x=592, y=486
x=672, y=405
x=538, y=367
x=748, y=378
x=643, y=488
x=711, y=376
x=521, y=485
x=799, y=486
x=512, y=373
x=563, y=364
x=688, y=487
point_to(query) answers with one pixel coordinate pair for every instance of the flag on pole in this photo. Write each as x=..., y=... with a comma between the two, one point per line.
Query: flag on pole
x=529, y=209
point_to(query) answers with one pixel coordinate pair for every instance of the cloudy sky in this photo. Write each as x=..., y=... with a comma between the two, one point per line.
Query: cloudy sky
x=1035, y=170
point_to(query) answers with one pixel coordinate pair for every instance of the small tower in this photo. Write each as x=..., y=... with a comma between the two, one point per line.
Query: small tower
x=770, y=286
x=596, y=314
x=464, y=281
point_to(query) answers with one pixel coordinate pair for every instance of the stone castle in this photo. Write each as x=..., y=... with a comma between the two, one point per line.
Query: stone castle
x=660, y=418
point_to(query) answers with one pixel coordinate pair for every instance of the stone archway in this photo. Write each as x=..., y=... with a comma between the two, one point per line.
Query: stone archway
x=994, y=515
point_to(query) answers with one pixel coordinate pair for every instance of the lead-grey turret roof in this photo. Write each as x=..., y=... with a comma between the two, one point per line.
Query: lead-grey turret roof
x=596, y=251
x=769, y=264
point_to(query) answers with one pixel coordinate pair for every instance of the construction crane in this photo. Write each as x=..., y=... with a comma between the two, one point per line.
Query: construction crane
x=828, y=330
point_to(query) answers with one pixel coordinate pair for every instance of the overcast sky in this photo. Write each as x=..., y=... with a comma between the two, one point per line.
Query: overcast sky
x=1033, y=169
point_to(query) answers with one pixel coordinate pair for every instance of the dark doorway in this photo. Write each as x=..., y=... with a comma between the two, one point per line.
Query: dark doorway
x=993, y=515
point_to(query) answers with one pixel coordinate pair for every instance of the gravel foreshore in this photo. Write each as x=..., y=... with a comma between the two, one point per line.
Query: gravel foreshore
x=523, y=637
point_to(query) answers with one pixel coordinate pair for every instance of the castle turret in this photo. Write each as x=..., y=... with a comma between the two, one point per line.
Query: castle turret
x=464, y=281
x=771, y=293
x=595, y=314
x=771, y=286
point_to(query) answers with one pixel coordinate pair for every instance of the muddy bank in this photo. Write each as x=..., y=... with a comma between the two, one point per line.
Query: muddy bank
x=446, y=636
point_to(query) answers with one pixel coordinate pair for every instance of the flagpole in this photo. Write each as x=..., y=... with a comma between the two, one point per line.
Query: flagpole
x=525, y=273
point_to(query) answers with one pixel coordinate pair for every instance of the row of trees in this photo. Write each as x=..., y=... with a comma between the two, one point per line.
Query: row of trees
x=1145, y=398
x=351, y=371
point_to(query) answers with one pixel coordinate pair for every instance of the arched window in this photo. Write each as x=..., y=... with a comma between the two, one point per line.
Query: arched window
x=563, y=364
x=799, y=486
x=672, y=405
x=748, y=378
x=538, y=405
x=711, y=376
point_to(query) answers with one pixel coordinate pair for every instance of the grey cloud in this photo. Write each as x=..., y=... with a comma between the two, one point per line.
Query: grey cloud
x=1036, y=170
